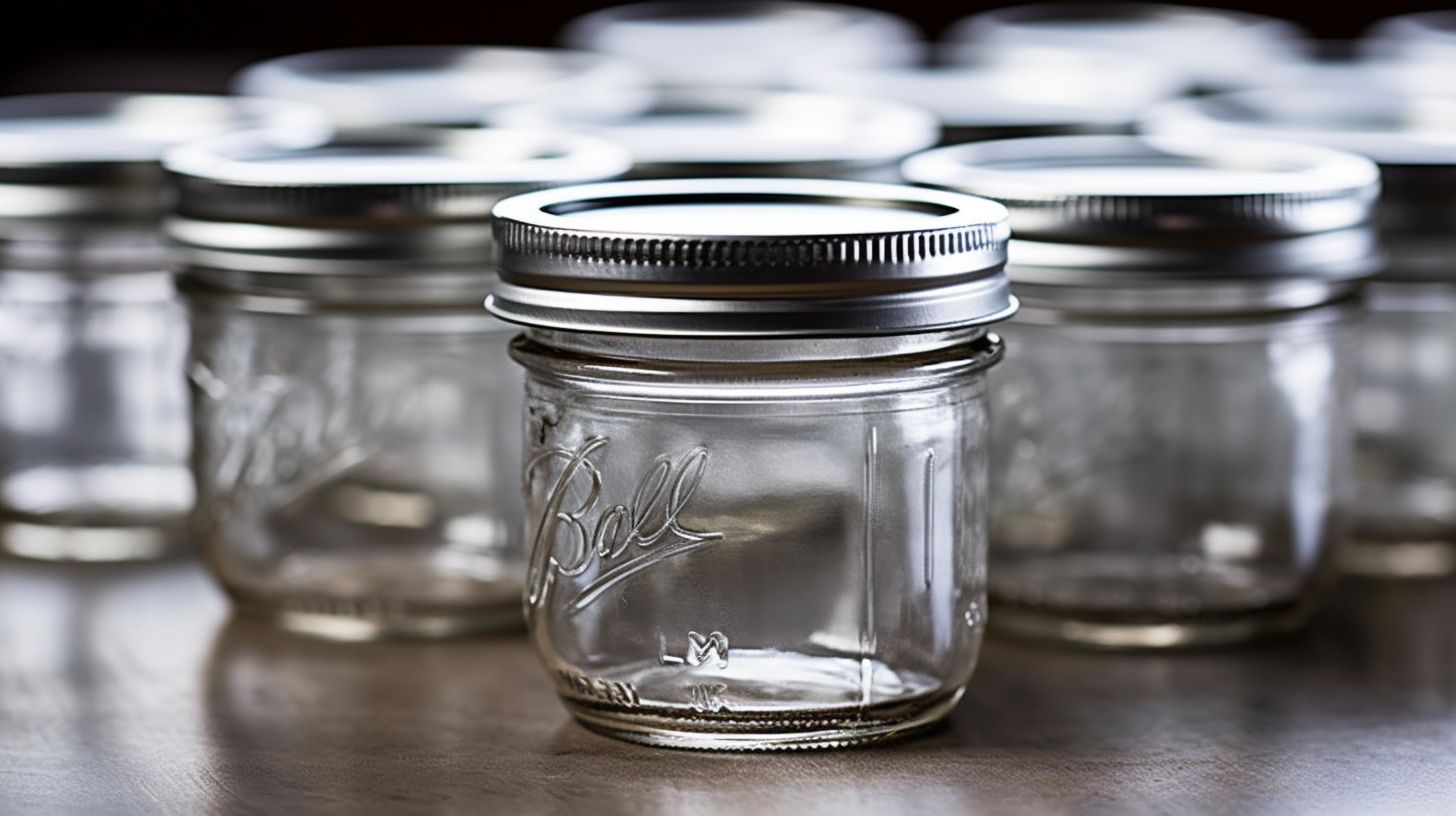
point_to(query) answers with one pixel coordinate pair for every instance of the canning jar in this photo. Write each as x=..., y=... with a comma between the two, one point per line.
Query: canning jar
x=1405, y=399
x=93, y=408
x=1170, y=441
x=448, y=85
x=357, y=421
x=743, y=43
x=755, y=452
x=1214, y=49
x=723, y=132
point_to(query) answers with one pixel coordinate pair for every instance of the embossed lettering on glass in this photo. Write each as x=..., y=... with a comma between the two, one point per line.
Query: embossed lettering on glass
x=1405, y=400
x=93, y=409
x=357, y=418
x=1170, y=440
x=755, y=452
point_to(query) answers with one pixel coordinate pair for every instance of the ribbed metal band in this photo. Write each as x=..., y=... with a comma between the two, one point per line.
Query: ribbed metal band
x=641, y=279
x=1291, y=189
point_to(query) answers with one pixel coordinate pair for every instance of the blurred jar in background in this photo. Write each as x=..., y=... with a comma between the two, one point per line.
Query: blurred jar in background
x=1424, y=37
x=449, y=85
x=725, y=132
x=1405, y=400
x=93, y=409
x=1020, y=94
x=755, y=453
x=1170, y=442
x=357, y=420
x=1213, y=49
x=744, y=43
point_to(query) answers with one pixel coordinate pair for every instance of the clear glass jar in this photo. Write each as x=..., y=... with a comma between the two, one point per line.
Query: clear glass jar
x=1405, y=466
x=1170, y=432
x=93, y=407
x=756, y=506
x=357, y=430
x=449, y=85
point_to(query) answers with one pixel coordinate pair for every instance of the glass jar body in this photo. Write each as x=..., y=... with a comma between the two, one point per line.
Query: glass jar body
x=1405, y=401
x=93, y=414
x=744, y=554
x=356, y=472
x=1171, y=483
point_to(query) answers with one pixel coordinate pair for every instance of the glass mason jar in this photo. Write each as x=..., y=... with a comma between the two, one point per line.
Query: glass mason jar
x=736, y=132
x=743, y=44
x=93, y=407
x=1170, y=441
x=449, y=85
x=1213, y=48
x=356, y=416
x=1405, y=399
x=755, y=452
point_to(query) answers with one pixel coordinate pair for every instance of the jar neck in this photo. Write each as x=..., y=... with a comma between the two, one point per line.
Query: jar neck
x=752, y=350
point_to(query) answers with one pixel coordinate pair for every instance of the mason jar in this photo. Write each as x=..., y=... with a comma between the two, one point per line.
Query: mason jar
x=1213, y=48
x=1170, y=435
x=357, y=432
x=93, y=408
x=1405, y=397
x=743, y=44
x=755, y=452
x=448, y=85
x=737, y=132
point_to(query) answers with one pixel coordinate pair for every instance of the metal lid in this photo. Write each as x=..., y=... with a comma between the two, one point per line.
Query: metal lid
x=1113, y=189
x=1065, y=89
x=743, y=43
x=750, y=258
x=1214, y=48
x=448, y=85
x=95, y=154
x=363, y=203
x=1413, y=138
x=735, y=132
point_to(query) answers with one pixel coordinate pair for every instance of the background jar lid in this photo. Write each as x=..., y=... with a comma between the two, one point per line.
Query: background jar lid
x=95, y=155
x=1063, y=90
x=750, y=258
x=743, y=132
x=448, y=85
x=1159, y=208
x=360, y=205
x=1213, y=48
x=1412, y=138
x=747, y=43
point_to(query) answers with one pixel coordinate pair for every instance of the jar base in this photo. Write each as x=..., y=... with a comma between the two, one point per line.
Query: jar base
x=1398, y=558
x=361, y=619
x=1010, y=619
x=59, y=539
x=805, y=730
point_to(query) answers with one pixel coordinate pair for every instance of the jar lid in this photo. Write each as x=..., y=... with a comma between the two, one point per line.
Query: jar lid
x=1115, y=188
x=1066, y=89
x=1214, y=48
x=738, y=132
x=448, y=85
x=96, y=154
x=365, y=201
x=750, y=258
x=1412, y=138
x=743, y=43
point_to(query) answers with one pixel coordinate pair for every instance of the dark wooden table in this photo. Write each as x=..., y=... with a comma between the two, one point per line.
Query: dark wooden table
x=130, y=690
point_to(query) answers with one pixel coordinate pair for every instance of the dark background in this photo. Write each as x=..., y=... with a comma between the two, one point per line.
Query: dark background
x=59, y=45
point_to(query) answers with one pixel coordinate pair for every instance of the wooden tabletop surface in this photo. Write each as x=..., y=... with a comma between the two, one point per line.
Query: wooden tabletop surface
x=129, y=689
